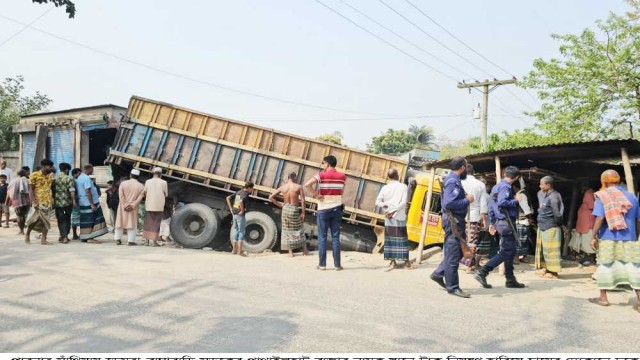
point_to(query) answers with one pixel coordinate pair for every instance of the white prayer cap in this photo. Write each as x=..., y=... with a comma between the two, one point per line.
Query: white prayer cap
x=157, y=170
x=135, y=172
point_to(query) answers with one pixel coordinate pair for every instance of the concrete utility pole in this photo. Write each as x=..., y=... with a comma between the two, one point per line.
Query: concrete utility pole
x=485, y=99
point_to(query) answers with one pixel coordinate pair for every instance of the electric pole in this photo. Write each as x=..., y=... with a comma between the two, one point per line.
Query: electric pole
x=487, y=87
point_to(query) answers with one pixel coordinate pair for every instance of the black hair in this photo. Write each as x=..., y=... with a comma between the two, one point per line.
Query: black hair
x=26, y=168
x=511, y=172
x=110, y=182
x=470, y=169
x=3, y=176
x=248, y=185
x=458, y=162
x=22, y=173
x=293, y=176
x=64, y=166
x=46, y=162
x=76, y=171
x=330, y=160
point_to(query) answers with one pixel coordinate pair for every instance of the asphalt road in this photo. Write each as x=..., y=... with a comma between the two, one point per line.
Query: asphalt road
x=108, y=298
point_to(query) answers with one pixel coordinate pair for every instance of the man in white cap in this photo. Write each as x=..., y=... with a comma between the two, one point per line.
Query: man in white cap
x=156, y=191
x=130, y=193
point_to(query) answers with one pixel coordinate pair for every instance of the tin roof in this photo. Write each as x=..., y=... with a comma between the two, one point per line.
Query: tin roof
x=74, y=110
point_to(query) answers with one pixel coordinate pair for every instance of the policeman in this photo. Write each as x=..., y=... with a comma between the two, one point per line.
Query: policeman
x=503, y=209
x=455, y=202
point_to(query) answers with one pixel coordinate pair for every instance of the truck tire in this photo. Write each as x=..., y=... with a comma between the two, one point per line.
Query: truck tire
x=261, y=232
x=194, y=226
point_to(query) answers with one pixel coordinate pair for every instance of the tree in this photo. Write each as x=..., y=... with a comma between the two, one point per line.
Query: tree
x=396, y=142
x=70, y=6
x=13, y=105
x=425, y=139
x=333, y=138
x=593, y=86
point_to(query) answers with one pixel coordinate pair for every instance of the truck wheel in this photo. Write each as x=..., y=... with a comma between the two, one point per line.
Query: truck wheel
x=261, y=232
x=194, y=226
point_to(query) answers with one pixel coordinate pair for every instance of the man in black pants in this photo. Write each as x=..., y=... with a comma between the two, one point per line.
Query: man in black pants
x=64, y=199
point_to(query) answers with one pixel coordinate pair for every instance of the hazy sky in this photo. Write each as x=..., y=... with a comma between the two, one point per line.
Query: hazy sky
x=293, y=50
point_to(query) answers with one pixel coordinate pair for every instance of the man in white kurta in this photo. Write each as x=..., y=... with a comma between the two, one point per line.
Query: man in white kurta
x=156, y=192
x=131, y=193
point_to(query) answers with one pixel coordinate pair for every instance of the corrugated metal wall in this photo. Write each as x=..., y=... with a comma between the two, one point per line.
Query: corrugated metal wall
x=28, y=149
x=60, y=146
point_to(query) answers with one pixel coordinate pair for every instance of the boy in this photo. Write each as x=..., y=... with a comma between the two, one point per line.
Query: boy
x=113, y=200
x=4, y=204
x=239, y=209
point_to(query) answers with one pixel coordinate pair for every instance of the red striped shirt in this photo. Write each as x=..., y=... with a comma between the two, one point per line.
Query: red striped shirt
x=331, y=182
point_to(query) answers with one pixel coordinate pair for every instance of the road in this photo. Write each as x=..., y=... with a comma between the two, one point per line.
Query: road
x=107, y=298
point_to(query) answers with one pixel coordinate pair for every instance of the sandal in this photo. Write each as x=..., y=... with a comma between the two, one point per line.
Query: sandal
x=321, y=267
x=549, y=275
x=118, y=242
x=93, y=241
x=65, y=241
x=45, y=243
x=597, y=301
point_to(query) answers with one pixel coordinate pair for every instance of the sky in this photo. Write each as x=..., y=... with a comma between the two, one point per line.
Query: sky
x=295, y=65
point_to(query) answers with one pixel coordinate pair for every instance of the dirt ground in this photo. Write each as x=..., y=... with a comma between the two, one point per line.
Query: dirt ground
x=107, y=298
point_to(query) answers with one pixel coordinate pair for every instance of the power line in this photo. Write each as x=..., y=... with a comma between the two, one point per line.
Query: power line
x=364, y=119
x=183, y=77
x=25, y=27
x=458, y=39
x=433, y=38
x=404, y=38
x=385, y=41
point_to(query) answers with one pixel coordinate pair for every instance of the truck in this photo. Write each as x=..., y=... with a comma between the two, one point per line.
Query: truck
x=206, y=158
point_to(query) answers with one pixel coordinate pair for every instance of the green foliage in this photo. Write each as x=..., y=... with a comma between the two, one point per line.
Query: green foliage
x=333, y=138
x=517, y=139
x=593, y=87
x=396, y=142
x=69, y=5
x=463, y=147
x=13, y=105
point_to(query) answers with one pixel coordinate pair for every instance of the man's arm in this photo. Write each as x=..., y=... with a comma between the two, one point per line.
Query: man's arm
x=272, y=198
x=72, y=193
x=32, y=191
x=309, y=186
x=165, y=189
x=229, y=202
x=90, y=197
x=558, y=208
x=303, y=204
x=596, y=228
x=452, y=203
x=503, y=200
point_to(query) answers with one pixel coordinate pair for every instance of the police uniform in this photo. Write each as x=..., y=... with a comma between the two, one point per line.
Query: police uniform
x=502, y=204
x=453, y=199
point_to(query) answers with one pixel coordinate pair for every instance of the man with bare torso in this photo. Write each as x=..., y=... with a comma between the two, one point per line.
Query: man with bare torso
x=292, y=215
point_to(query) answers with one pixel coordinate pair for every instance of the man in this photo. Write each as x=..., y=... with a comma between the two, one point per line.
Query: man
x=112, y=201
x=550, y=230
x=455, y=203
x=503, y=209
x=4, y=170
x=64, y=187
x=475, y=218
x=42, y=202
x=238, y=210
x=293, y=211
x=92, y=224
x=20, y=198
x=615, y=238
x=392, y=199
x=130, y=194
x=583, y=233
x=4, y=199
x=523, y=224
x=27, y=171
x=156, y=192
x=485, y=239
x=330, y=209
x=75, y=213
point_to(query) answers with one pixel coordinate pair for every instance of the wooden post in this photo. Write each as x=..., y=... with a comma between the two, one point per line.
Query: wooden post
x=425, y=219
x=628, y=175
x=498, y=170
x=572, y=218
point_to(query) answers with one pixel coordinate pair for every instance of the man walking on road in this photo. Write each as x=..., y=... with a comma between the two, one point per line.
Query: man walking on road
x=156, y=192
x=550, y=228
x=42, y=202
x=503, y=210
x=238, y=209
x=293, y=209
x=92, y=223
x=130, y=193
x=454, y=203
x=392, y=199
x=64, y=198
x=330, y=209
x=476, y=217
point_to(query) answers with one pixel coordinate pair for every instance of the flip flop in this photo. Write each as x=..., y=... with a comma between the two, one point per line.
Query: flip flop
x=597, y=301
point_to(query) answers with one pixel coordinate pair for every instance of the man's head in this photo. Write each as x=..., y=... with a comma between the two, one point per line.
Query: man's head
x=248, y=186
x=3, y=178
x=470, y=169
x=88, y=169
x=329, y=161
x=609, y=178
x=46, y=166
x=3, y=164
x=76, y=172
x=292, y=176
x=459, y=166
x=157, y=172
x=516, y=186
x=21, y=173
x=393, y=174
x=546, y=183
x=65, y=168
x=511, y=174
x=110, y=185
x=134, y=174
x=27, y=170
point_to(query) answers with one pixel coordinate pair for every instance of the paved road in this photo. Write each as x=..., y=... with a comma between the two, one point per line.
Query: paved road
x=107, y=298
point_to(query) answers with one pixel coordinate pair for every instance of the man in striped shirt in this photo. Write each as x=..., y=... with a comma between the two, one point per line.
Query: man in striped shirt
x=330, y=208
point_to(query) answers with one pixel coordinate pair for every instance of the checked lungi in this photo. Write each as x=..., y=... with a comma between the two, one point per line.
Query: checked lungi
x=396, y=244
x=548, y=249
x=473, y=237
x=618, y=264
x=92, y=224
x=522, y=243
x=292, y=228
x=151, y=227
x=39, y=218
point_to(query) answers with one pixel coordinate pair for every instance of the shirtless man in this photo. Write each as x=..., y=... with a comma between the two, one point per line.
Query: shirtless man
x=292, y=215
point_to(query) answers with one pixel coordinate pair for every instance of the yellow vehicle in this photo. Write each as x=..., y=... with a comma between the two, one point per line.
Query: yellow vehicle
x=418, y=186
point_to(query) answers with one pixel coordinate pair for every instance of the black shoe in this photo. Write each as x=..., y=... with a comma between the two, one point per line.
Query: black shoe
x=481, y=277
x=514, y=284
x=131, y=244
x=460, y=293
x=439, y=281
x=339, y=268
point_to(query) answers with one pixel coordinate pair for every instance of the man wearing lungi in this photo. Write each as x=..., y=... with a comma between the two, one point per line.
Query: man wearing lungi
x=42, y=202
x=130, y=194
x=92, y=223
x=456, y=202
x=550, y=229
x=523, y=224
x=156, y=192
x=503, y=210
x=615, y=238
x=20, y=198
x=392, y=199
x=476, y=218
x=293, y=209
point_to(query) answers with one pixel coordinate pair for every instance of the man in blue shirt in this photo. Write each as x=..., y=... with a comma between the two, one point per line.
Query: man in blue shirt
x=614, y=237
x=456, y=202
x=503, y=210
